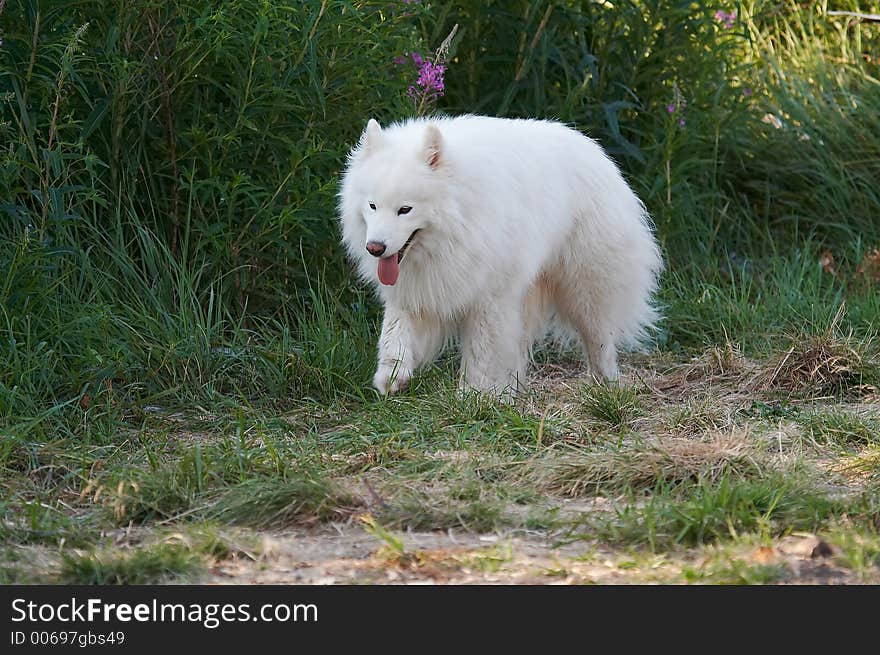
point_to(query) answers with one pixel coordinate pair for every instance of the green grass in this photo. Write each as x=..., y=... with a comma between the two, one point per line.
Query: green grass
x=762, y=308
x=711, y=511
x=301, y=498
x=34, y=522
x=614, y=405
x=859, y=551
x=149, y=565
x=843, y=429
x=420, y=511
x=738, y=572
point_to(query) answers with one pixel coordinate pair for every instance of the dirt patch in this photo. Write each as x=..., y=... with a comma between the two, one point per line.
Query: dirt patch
x=350, y=555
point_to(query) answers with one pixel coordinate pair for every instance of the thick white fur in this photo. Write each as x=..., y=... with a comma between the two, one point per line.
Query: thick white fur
x=519, y=220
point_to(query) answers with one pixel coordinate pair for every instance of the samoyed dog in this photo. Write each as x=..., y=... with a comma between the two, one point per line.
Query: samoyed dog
x=489, y=230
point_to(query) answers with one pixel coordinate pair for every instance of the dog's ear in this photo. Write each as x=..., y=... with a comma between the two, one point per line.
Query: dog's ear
x=372, y=136
x=433, y=146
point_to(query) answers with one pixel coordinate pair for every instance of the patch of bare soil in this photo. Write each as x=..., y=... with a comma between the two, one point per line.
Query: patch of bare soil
x=350, y=555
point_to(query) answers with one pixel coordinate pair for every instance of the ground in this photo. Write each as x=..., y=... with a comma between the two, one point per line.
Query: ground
x=712, y=468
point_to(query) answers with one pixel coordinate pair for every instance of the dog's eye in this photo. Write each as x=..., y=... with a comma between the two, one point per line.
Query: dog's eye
x=406, y=209
x=372, y=206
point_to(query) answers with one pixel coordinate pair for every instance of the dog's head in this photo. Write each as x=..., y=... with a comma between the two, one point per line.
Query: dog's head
x=390, y=197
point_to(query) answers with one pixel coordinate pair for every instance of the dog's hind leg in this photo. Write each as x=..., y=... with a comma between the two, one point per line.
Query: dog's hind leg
x=601, y=351
x=406, y=343
x=588, y=315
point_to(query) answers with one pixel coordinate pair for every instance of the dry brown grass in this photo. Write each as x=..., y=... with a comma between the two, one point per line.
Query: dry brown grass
x=819, y=366
x=576, y=471
x=863, y=467
x=703, y=413
x=715, y=368
x=718, y=362
x=827, y=365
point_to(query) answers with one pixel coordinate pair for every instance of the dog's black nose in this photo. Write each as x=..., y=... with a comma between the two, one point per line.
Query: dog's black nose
x=375, y=248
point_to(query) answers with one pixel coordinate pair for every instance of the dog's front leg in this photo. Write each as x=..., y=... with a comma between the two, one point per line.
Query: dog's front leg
x=494, y=348
x=405, y=344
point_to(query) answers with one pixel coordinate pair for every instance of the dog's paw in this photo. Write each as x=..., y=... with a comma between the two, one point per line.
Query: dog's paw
x=391, y=379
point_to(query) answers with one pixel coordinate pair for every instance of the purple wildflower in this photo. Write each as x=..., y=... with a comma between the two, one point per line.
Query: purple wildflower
x=430, y=82
x=728, y=18
x=676, y=108
x=747, y=92
x=431, y=77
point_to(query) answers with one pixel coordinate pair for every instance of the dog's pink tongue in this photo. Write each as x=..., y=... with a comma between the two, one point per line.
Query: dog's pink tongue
x=388, y=270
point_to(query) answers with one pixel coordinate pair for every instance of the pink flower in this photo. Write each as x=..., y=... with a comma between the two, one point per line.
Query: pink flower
x=676, y=107
x=728, y=18
x=429, y=82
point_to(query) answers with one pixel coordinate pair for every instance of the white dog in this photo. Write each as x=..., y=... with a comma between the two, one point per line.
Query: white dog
x=485, y=229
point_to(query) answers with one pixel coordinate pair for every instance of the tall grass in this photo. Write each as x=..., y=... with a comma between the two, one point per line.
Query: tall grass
x=220, y=127
x=167, y=184
x=147, y=329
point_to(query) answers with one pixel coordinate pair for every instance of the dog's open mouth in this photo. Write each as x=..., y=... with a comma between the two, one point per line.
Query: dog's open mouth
x=389, y=266
x=402, y=251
